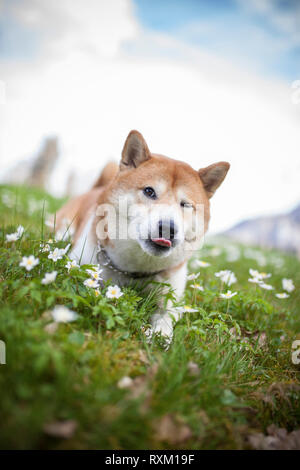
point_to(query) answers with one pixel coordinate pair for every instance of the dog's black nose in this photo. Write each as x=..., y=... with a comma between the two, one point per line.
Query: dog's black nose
x=166, y=229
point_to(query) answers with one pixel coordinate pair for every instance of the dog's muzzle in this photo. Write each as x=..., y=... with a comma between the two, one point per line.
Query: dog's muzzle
x=165, y=234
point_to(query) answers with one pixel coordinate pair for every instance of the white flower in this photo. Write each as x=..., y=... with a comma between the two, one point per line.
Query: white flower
x=29, y=262
x=256, y=274
x=34, y=205
x=8, y=200
x=49, y=277
x=62, y=314
x=233, y=253
x=263, y=285
x=228, y=295
x=216, y=251
x=277, y=261
x=12, y=237
x=197, y=286
x=288, y=285
x=192, y=277
x=95, y=273
x=125, y=382
x=95, y=267
x=72, y=264
x=265, y=275
x=97, y=292
x=56, y=254
x=282, y=296
x=186, y=308
x=227, y=276
x=49, y=222
x=65, y=250
x=20, y=230
x=202, y=264
x=255, y=254
x=114, y=292
x=91, y=283
x=255, y=280
x=261, y=259
x=44, y=248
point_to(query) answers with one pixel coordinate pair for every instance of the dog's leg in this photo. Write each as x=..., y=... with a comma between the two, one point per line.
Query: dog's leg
x=162, y=321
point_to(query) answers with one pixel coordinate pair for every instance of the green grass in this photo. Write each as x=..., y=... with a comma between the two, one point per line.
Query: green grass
x=241, y=385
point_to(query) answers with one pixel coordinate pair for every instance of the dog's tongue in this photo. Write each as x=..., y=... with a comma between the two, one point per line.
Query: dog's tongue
x=162, y=241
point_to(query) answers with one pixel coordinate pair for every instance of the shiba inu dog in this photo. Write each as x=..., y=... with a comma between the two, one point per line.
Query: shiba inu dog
x=143, y=220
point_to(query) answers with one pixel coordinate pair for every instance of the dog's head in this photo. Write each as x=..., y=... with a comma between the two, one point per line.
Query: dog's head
x=161, y=204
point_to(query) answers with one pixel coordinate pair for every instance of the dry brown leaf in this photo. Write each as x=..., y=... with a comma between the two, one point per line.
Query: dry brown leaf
x=138, y=386
x=276, y=439
x=143, y=357
x=62, y=429
x=110, y=413
x=46, y=315
x=277, y=391
x=202, y=415
x=253, y=383
x=268, y=399
x=193, y=368
x=171, y=430
x=233, y=332
x=262, y=339
x=51, y=328
x=282, y=390
x=152, y=370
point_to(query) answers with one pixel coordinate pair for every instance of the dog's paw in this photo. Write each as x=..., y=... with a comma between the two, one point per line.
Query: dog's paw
x=162, y=325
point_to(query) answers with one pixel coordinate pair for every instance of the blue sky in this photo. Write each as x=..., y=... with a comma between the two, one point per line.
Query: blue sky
x=203, y=81
x=16, y=41
x=261, y=34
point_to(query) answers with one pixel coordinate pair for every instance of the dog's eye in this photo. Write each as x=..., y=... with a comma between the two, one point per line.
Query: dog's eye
x=149, y=192
x=186, y=204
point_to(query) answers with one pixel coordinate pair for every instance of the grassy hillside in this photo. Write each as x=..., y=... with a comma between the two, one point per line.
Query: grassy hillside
x=228, y=374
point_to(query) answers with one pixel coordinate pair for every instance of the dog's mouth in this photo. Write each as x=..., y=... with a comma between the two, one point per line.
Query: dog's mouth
x=163, y=242
x=158, y=246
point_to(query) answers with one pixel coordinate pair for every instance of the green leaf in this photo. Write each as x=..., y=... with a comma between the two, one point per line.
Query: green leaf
x=36, y=295
x=77, y=337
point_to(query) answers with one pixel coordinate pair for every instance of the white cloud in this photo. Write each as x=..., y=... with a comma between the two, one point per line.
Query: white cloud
x=99, y=75
x=284, y=17
x=96, y=27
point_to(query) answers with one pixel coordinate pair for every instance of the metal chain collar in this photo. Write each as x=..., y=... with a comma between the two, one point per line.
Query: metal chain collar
x=104, y=260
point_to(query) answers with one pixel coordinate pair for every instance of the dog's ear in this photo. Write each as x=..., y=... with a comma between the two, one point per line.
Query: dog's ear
x=213, y=175
x=135, y=151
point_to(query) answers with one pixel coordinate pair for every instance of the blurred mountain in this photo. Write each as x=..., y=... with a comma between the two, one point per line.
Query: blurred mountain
x=279, y=231
x=36, y=171
x=44, y=163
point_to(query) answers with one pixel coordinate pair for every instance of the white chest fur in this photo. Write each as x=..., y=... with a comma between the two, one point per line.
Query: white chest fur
x=85, y=250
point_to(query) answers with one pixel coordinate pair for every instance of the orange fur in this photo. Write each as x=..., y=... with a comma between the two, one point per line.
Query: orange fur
x=176, y=184
x=175, y=173
x=107, y=174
